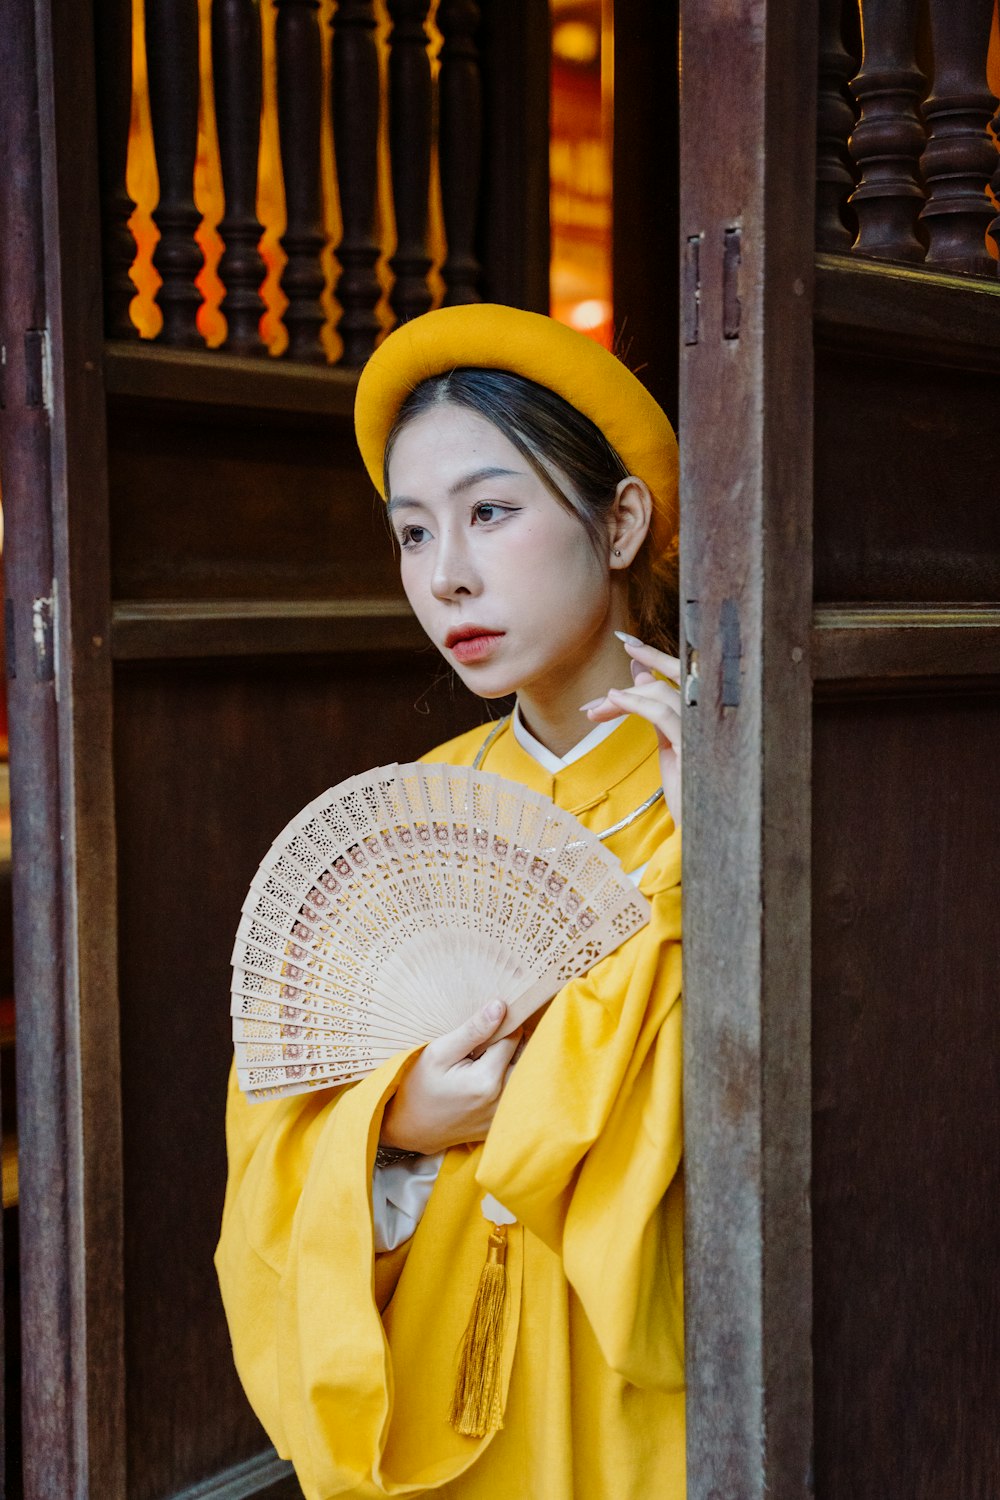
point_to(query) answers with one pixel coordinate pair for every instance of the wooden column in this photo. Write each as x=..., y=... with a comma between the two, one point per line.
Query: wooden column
x=113, y=32
x=410, y=123
x=460, y=146
x=355, y=139
x=835, y=121
x=888, y=137
x=960, y=157
x=300, y=113
x=513, y=237
x=53, y=457
x=746, y=416
x=236, y=69
x=172, y=62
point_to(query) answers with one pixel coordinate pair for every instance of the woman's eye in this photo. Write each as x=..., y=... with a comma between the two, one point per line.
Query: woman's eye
x=486, y=510
x=412, y=536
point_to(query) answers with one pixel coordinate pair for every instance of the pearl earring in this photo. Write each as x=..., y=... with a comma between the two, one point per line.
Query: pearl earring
x=618, y=552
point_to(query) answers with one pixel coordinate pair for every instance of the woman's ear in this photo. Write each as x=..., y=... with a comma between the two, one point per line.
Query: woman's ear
x=628, y=521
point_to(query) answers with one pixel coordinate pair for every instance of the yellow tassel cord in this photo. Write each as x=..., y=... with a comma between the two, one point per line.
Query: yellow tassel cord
x=476, y=1408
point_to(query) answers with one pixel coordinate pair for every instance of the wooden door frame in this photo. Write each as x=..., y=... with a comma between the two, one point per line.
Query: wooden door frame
x=746, y=421
x=55, y=493
x=746, y=517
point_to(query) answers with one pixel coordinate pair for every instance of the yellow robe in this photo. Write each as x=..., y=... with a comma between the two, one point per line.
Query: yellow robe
x=349, y=1357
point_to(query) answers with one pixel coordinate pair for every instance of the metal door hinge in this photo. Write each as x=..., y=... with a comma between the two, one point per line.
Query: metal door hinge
x=43, y=635
x=38, y=369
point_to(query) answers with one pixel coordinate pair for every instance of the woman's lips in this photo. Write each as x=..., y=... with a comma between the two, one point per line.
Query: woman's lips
x=477, y=647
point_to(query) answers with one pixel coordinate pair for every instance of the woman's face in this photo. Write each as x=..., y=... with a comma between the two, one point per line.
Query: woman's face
x=502, y=577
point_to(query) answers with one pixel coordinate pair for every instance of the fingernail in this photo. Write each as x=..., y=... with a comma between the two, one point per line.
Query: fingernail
x=494, y=1010
x=592, y=704
x=628, y=640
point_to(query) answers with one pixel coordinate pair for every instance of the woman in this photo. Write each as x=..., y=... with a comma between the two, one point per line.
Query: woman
x=531, y=488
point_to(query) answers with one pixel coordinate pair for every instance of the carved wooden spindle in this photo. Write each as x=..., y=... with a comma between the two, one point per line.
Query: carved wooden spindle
x=236, y=70
x=299, y=44
x=993, y=228
x=960, y=157
x=113, y=34
x=460, y=146
x=835, y=120
x=355, y=137
x=888, y=137
x=172, y=62
x=410, y=124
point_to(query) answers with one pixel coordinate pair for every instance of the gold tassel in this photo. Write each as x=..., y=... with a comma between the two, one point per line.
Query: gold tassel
x=476, y=1408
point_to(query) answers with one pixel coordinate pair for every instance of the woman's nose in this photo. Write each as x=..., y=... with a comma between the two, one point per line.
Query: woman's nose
x=454, y=570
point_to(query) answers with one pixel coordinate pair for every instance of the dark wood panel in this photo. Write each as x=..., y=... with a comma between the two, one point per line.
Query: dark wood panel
x=905, y=497
x=906, y=1078
x=172, y=628
x=226, y=504
x=513, y=241
x=185, y=378
x=925, y=316
x=211, y=761
x=889, y=643
x=646, y=191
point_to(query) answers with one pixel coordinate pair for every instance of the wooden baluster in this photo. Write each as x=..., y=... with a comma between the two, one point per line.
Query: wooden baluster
x=888, y=137
x=410, y=124
x=355, y=139
x=835, y=120
x=300, y=111
x=113, y=24
x=993, y=229
x=960, y=156
x=172, y=62
x=460, y=146
x=236, y=71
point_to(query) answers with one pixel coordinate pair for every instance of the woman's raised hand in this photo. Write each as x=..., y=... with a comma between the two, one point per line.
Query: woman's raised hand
x=656, y=701
x=449, y=1096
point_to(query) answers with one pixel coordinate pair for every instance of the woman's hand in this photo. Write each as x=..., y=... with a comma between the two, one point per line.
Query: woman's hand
x=656, y=701
x=448, y=1096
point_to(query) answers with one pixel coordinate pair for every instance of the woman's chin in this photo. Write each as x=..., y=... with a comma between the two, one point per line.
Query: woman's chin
x=487, y=683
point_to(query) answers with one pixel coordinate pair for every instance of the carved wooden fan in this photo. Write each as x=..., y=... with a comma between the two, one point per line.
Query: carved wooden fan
x=399, y=902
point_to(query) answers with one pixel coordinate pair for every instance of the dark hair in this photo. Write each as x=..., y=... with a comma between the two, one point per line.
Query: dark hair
x=552, y=434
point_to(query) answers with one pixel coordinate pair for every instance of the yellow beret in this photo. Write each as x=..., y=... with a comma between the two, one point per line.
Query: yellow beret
x=485, y=336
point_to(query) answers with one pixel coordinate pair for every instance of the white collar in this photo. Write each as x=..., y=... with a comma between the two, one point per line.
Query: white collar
x=545, y=758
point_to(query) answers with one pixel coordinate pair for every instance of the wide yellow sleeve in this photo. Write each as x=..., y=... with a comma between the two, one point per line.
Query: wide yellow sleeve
x=298, y=1275
x=586, y=1145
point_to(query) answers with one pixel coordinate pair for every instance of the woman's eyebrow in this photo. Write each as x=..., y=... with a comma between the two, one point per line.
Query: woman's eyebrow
x=480, y=474
x=407, y=502
x=402, y=502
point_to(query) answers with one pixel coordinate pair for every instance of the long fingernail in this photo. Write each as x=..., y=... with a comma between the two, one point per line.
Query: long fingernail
x=592, y=704
x=628, y=640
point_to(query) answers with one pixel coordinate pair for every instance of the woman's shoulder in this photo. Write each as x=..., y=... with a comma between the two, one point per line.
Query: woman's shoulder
x=461, y=751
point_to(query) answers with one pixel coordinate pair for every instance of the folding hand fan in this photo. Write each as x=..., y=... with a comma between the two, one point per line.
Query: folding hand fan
x=399, y=902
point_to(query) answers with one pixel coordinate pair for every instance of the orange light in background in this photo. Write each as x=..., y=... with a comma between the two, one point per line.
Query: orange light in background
x=580, y=284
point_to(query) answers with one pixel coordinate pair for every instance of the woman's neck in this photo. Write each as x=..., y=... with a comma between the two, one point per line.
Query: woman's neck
x=550, y=709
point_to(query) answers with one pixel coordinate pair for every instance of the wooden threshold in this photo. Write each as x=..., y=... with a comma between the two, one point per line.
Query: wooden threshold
x=149, y=630
x=263, y=1477
x=907, y=311
x=895, y=642
x=144, y=370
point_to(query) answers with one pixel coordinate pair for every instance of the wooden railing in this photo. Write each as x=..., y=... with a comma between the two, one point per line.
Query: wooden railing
x=907, y=160
x=312, y=170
